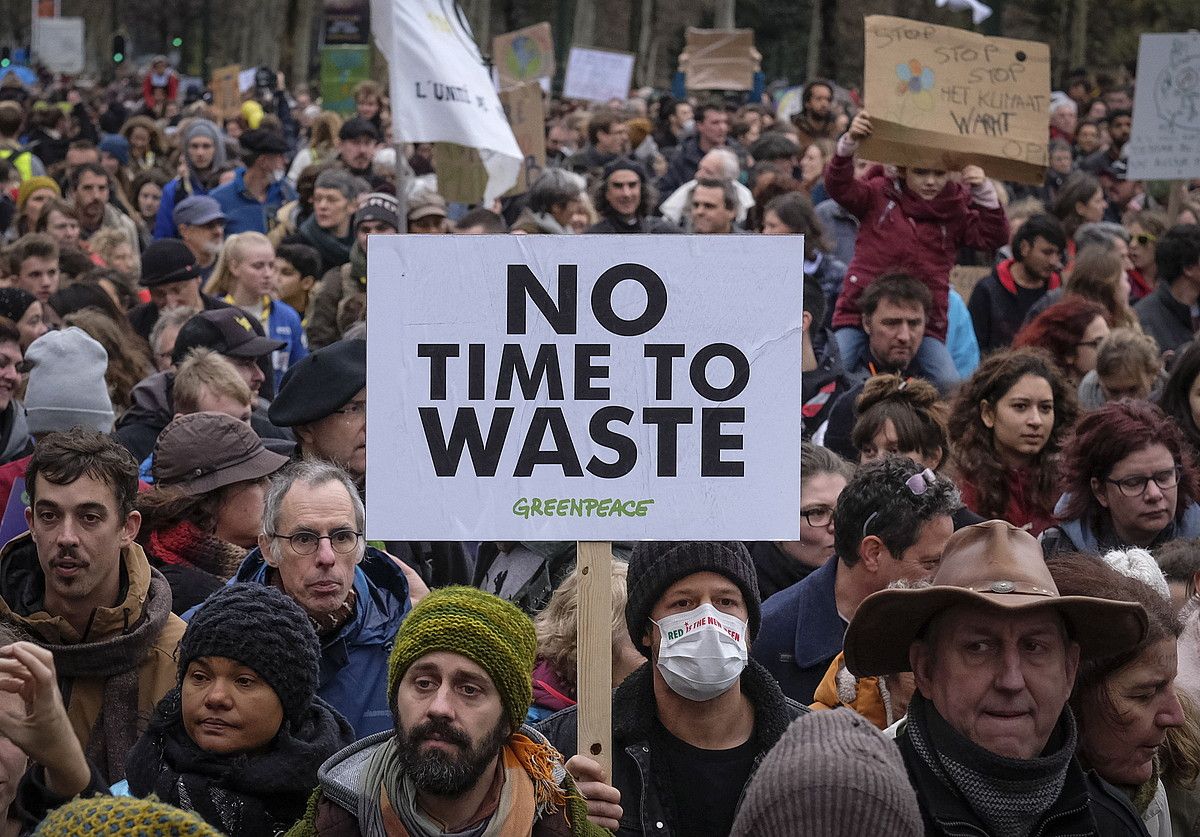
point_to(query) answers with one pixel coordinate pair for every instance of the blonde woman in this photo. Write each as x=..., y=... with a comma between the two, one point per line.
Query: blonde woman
x=245, y=276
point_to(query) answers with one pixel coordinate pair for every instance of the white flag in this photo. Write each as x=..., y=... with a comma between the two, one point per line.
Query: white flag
x=979, y=12
x=440, y=89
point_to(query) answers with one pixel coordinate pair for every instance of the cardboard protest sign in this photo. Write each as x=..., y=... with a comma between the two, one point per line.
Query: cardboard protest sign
x=551, y=387
x=527, y=115
x=944, y=98
x=524, y=55
x=598, y=75
x=1165, y=144
x=227, y=94
x=719, y=59
x=461, y=175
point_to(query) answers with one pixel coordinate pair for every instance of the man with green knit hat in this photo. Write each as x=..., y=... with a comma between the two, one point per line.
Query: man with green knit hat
x=460, y=760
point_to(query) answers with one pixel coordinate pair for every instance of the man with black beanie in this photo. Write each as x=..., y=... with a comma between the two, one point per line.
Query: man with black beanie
x=689, y=729
x=624, y=200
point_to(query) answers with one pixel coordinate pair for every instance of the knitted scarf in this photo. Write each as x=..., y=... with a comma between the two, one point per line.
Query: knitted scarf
x=333, y=250
x=186, y=544
x=116, y=660
x=535, y=786
x=1009, y=796
x=245, y=794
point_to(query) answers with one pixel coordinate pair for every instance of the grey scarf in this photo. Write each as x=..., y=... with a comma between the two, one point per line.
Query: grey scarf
x=1010, y=796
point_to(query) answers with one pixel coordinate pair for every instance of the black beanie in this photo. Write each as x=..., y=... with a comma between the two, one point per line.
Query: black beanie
x=263, y=630
x=656, y=565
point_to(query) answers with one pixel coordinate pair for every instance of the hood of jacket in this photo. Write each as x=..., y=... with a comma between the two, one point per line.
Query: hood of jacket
x=22, y=594
x=151, y=401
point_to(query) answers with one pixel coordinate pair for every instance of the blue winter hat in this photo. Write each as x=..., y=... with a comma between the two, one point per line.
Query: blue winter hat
x=117, y=146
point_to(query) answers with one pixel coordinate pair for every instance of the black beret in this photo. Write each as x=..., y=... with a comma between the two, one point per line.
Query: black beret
x=323, y=382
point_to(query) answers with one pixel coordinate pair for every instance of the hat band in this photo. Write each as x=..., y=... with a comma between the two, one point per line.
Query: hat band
x=1009, y=586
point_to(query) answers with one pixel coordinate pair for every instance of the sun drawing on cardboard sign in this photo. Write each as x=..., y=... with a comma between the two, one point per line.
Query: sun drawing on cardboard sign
x=917, y=82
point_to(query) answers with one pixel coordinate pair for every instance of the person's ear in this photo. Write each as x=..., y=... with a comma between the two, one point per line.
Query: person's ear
x=130, y=528
x=1098, y=492
x=920, y=659
x=872, y=552
x=307, y=282
x=264, y=546
x=987, y=414
x=806, y=321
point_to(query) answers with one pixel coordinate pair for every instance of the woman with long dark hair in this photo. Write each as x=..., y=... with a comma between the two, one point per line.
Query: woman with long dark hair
x=1007, y=423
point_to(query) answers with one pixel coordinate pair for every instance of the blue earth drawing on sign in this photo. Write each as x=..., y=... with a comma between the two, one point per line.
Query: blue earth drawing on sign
x=1177, y=88
x=525, y=59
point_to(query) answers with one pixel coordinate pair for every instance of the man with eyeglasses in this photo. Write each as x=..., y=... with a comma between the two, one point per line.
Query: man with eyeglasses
x=891, y=522
x=312, y=548
x=323, y=399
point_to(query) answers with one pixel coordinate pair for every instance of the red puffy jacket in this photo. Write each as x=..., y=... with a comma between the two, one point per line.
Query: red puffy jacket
x=899, y=231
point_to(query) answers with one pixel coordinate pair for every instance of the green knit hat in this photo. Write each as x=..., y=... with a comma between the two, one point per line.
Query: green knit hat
x=484, y=628
x=125, y=816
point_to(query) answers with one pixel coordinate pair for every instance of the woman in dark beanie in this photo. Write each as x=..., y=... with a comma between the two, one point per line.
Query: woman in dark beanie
x=239, y=740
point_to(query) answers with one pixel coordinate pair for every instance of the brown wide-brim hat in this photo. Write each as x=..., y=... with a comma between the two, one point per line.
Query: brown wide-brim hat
x=201, y=452
x=991, y=565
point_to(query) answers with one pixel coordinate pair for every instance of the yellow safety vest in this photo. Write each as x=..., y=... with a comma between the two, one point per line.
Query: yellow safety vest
x=21, y=159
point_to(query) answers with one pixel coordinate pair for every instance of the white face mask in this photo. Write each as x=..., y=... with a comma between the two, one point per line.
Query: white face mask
x=688, y=126
x=701, y=653
x=278, y=175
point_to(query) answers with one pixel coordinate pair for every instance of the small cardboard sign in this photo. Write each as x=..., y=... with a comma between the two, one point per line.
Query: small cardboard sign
x=226, y=90
x=524, y=55
x=598, y=75
x=944, y=98
x=527, y=115
x=719, y=59
x=1165, y=144
x=461, y=175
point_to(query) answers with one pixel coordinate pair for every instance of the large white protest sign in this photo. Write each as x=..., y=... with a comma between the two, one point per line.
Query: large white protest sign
x=58, y=43
x=597, y=75
x=1165, y=143
x=583, y=388
x=440, y=90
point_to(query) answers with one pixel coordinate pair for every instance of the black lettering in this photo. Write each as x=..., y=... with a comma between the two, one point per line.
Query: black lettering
x=447, y=453
x=438, y=354
x=713, y=442
x=476, y=370
x=586, y=371
x=563, y=454
x=545, y=366
x=625, y=448
x=667, y=420
x=662, y=354
x=699, y=372
x=656, y=299
x=522, y=285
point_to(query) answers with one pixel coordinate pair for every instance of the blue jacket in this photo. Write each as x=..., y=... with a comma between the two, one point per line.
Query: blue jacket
x=283, y=323
x=801, y=633
x=354, y=662
x=244, y=212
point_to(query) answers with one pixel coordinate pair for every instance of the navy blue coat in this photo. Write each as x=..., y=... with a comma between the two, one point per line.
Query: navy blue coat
x=354, y=661
x=801, y=633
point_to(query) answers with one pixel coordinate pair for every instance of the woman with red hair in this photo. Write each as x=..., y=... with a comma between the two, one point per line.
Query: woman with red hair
x=1128, y=480
x=1071, y=331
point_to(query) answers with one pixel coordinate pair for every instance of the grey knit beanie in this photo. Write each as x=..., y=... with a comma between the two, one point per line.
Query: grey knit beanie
x=832, y=774
x=66, y=383
x=656, y=565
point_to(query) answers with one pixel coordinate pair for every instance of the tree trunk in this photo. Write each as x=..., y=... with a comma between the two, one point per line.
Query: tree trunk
x=816, y=33
x=723, y=14
x=645, y=72
x=1079, y=28
x=479, y=15
x=583, y=33
x=301, y=29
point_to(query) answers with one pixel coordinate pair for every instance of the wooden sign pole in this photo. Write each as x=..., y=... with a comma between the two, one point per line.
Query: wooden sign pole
x=593, y=683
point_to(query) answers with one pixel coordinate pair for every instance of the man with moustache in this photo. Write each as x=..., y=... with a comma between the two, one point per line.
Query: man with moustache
x=459, y=759
x=82, y=587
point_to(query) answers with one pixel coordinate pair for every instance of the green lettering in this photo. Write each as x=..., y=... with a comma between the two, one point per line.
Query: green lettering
x=641, y=507
x=535, y=506
x=602, y=511
x=590, y=505
x=521, y=507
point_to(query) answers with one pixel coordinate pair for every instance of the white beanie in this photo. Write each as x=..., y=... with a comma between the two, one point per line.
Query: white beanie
x=66, y=383
x=1139, y=564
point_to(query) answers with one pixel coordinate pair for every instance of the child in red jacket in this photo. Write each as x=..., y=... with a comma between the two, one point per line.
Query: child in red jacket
x=913, y=223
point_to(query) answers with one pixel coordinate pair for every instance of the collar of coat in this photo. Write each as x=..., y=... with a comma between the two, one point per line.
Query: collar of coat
x=634, y=708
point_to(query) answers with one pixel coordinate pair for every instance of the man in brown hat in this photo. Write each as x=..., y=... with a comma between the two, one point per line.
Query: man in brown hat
x=989, y=742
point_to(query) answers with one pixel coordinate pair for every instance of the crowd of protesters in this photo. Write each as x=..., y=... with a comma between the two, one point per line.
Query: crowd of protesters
x=990, y=623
